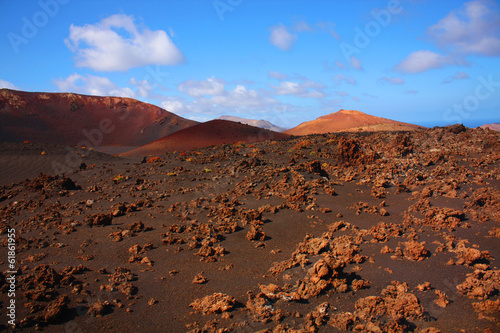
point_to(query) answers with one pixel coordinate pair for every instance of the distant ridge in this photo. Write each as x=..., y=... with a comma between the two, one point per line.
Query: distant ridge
x=350, y=121
x=493, y=126
x=252, y=122
x=214, y=132
x=71, y=119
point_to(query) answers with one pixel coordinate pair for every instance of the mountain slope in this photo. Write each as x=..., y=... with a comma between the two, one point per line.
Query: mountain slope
x=67, y=118
x=494, y=126
x=349, y=120
x=207, y=134
x=252, y=122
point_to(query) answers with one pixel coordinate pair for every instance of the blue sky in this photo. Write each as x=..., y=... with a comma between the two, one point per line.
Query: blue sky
x=286, y=61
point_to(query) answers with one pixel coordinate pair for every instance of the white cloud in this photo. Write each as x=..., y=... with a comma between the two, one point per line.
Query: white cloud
x=353, y=63
x=424, y=60
x=347, y=79
x=143, y=86
x=8, y=85
x=473, y=29
x=328, y=27
x=277, y=75
x=302, y=26
x=391, y=80
x=342, y=93
x=288, y=88
x=340, y=64
x=117, y=44
x=241, y=97
x=458, y=76
x=211, y=86
x=306, y=89
x=281, y=38
x=356, y=63
x=284, y=40
x=174, y=104
x=92, y=85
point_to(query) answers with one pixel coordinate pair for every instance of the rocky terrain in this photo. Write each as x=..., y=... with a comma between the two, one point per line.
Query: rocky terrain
x=350, y=121
x=92, y=121
x=362, y=232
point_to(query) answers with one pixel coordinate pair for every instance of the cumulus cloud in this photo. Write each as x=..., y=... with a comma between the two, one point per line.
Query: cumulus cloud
x=305, y=89
x=92, y=85
x=241, y=97
x=8, y=85
x=116, y=43
x=211, y=97
x=342, y=78
x=391, y=80
x=143, y=87
x=175, y=104
x=458, y=76
x=473, y=29
x=289, y=88
x=210, y=86
x=277, y=75
x=424, y=60
x=281, y=38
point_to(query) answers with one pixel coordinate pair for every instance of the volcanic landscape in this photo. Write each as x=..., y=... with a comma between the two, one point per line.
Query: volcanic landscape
x=368, y=229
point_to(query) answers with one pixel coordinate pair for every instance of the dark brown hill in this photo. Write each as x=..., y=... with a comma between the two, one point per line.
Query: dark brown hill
x=207, y=134
x=71, y=119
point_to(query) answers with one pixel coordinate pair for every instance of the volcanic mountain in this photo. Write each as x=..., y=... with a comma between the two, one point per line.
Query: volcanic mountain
x=71, y=119
x=494, y=126
x=214, y=132
x=252, y=122
x=350, y=121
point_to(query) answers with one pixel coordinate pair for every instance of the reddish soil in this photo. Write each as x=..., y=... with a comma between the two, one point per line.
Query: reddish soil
x=361, y=232
x=214, y=132
x=350, y=121
x=92, y=121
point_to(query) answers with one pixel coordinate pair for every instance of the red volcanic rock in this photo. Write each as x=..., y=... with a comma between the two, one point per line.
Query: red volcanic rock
x=99, y=219
x=216, y=303
x=99, y=308
x=349, y=120
x=256, y=233
x=214, y=132
x=72, y=119
x=395, y=303
x=480, y=284
x=415, y=251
